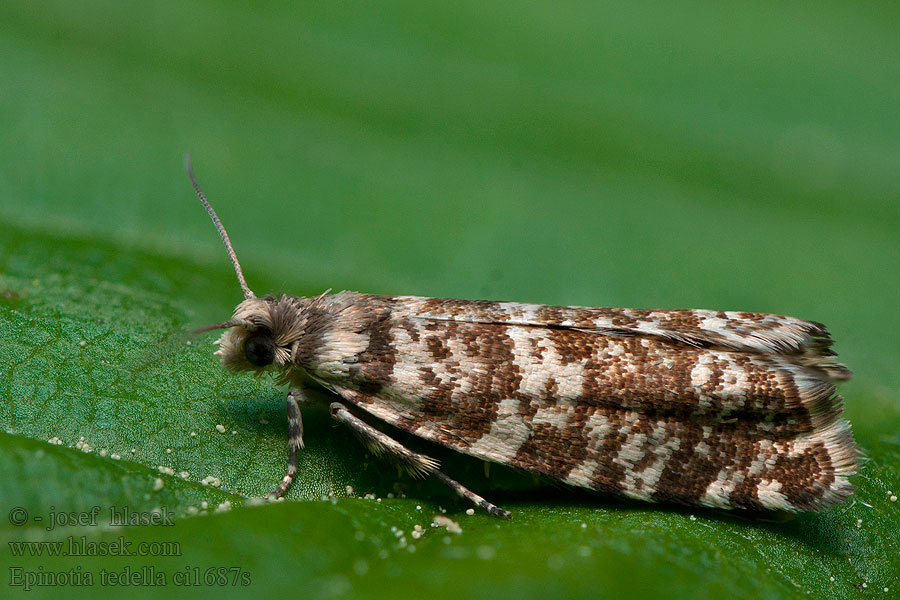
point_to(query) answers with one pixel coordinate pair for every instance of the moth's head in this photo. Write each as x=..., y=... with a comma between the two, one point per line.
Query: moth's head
x=263, y=332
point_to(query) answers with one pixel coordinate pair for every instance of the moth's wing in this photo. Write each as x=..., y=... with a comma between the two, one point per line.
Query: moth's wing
x=642, y=414
x=650, y=457
x=808, y=341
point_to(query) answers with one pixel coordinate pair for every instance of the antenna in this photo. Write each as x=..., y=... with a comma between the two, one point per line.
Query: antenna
x=234, y=261
x=222, y=325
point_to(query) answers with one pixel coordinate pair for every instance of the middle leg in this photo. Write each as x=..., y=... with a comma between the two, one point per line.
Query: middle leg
x=417, y=464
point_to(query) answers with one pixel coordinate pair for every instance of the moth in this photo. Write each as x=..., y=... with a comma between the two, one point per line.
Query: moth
x=721, y=409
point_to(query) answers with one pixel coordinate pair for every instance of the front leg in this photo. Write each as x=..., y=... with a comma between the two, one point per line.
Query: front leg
x=295, y=440
x=417, y=464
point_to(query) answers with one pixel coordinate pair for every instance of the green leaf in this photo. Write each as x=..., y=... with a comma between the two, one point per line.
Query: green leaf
x=716, y=155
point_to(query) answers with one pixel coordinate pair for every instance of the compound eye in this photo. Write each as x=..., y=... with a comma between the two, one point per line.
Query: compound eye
x=259, y=350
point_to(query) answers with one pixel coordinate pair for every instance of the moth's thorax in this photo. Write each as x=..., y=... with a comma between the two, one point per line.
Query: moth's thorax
x=298, y=333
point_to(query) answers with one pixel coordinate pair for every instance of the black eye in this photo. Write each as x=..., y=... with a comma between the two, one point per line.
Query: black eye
x=260, y=350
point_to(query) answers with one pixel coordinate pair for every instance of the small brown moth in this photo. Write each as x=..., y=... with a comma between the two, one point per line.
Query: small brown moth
x=697, y=407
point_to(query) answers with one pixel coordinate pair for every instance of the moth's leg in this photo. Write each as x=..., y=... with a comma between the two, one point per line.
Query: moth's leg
x=381, y=444
x=295, y=440
x=472, y=496
x=417, y=464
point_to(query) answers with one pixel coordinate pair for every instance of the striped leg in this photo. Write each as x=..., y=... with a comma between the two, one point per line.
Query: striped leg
x=295, y=440
x=472, y=496
x=417, y=464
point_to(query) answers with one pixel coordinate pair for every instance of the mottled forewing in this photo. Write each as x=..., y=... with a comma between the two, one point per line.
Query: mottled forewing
x=695, y=407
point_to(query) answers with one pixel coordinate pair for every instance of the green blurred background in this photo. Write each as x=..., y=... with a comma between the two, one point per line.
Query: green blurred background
x=705, y=155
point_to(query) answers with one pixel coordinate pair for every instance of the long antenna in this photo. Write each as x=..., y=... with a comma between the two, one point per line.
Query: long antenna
x=234, y=261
